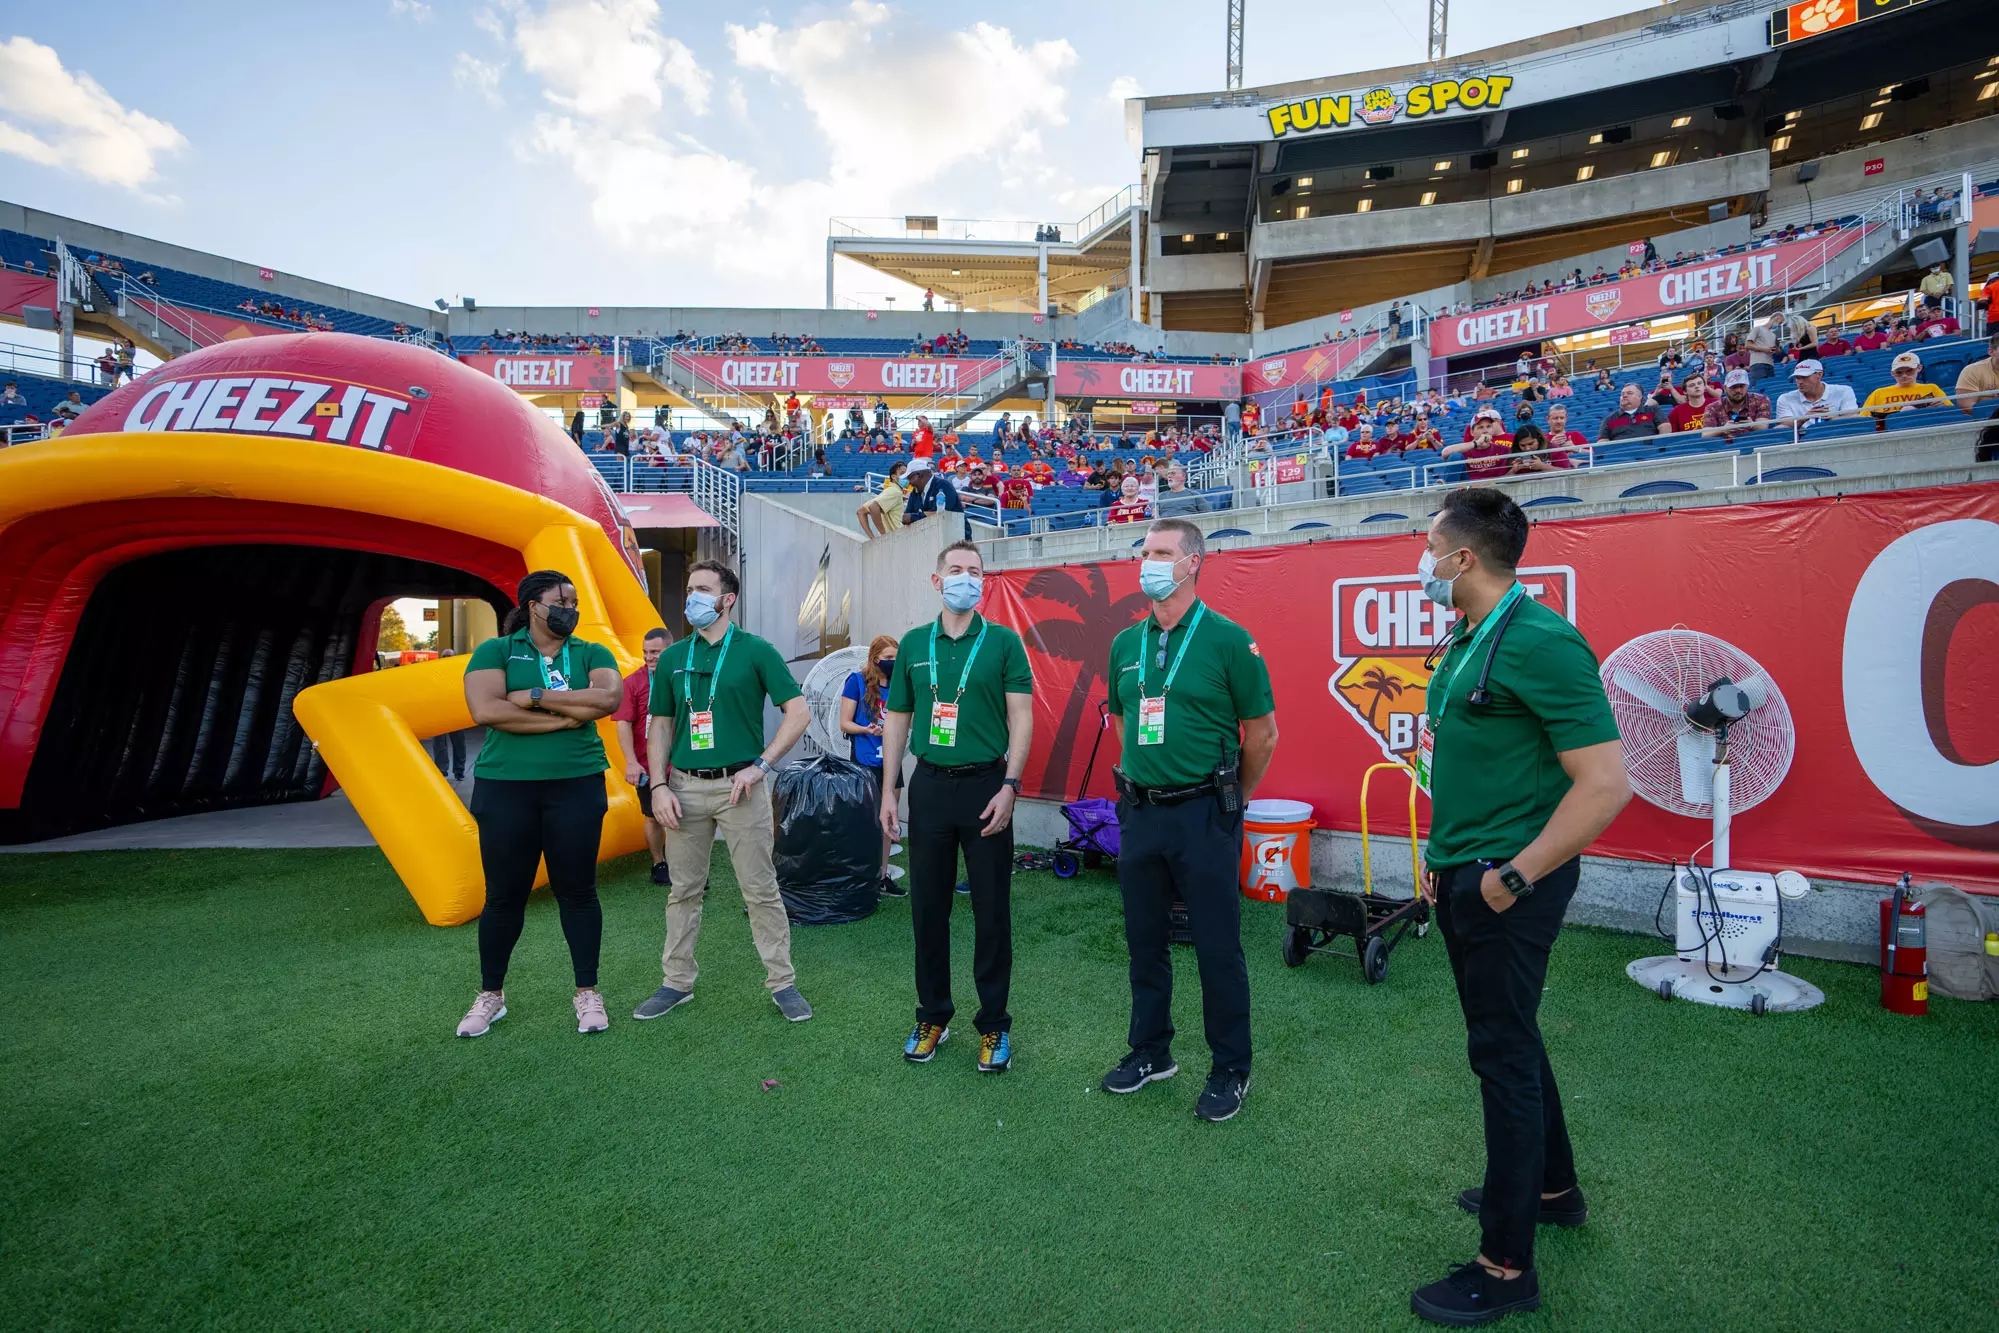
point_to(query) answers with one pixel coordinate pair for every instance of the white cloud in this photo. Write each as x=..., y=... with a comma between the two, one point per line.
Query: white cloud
x=885, y=89
x=415, y=9
x=478, y=76
x=62, y=119
x=1122, y=87
x=605, y=58
x=489, y=22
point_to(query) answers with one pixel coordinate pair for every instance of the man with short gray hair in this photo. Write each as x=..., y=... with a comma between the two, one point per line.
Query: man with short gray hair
x=1176, y=501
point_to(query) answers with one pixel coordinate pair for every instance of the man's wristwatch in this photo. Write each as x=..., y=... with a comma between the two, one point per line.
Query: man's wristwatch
x=1013, y=783
x=762, y=763
x=534, y=697
x=1515, y=883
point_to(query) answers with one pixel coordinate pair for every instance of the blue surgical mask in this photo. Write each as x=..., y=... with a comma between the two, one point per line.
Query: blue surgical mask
x=1155, y=579
x=701, y=609
x=961, y=591
x=1436, y=589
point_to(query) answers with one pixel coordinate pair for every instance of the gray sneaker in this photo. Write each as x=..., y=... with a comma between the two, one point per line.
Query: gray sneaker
x=661, y=1000
x=791, y=1004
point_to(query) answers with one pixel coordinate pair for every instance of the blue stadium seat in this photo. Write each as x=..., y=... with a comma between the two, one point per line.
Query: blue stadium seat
x=1300, y=527
x=1795, y=473
x=1656, y=488
x=1386, y=518
x=1219, y=533
x=1550, y=500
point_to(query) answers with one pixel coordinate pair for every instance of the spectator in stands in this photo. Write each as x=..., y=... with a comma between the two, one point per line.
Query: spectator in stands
x=1131, y=506
x=1802, y=335
x=1762, y=348
x=1813, y=397
x=1900, y=332
x=1531, y=452
x=107, y=368
x=929, y=492
x=1978, y=383
x=1634, y=418
x=1691, y=407
x=1176, y=501
x=1361, y=446
x=11, y=396
x=1932, y=322
x=1736, y=405
x=1936, y=284
x=1906, y=391
x=1603, y=382
x=1872, y=336
x=1486, y=453
x=1558, y=387
x=738, y=457
x=621, y=435
x=576, y=424
x=980, y=481
x=1834, y=346
x=1559, y=434
x=71, y=407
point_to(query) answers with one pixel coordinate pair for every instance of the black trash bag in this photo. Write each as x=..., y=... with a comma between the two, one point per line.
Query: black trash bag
x=829, y=844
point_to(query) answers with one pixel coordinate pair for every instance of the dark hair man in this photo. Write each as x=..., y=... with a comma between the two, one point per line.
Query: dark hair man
x=1190, y=701
x=1524, y=768
x=966, y=707
x=631, y=718
x=707, y=710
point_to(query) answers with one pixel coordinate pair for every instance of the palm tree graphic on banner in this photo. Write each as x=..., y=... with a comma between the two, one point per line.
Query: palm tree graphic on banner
x=1084, y=640
x=1384, y=687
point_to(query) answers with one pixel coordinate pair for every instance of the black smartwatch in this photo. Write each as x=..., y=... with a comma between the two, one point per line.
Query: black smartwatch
x=1013, y=783
x=1516, y=883
x=534, y=697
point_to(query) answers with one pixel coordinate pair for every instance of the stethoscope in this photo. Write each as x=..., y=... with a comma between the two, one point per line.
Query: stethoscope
x=1480, y=696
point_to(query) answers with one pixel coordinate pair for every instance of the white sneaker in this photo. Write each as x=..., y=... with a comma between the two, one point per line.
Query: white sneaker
x=590, y=1015
x=488, y=1009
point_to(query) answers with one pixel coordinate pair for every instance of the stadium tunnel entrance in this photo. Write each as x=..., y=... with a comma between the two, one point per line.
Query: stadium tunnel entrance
x=175, y=696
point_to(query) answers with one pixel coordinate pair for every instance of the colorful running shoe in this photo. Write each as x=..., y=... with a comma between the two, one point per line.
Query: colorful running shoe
x=995, y=1053
x=924, y=1041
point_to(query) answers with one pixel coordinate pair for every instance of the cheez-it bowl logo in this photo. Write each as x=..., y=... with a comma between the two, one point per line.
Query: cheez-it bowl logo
x=1603, y=302
x=1383, y=631
x=1273, y=372
x=841, y=373
x=1379, y=106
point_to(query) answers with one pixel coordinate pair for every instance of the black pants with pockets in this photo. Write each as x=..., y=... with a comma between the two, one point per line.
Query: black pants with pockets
x=944, y=819
x=1194, y=850
x=1500, y=962
x=521, y=824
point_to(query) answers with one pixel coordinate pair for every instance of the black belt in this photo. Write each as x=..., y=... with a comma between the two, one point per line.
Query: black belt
x=961, y=770
x=711, y=773
x=1131, y=791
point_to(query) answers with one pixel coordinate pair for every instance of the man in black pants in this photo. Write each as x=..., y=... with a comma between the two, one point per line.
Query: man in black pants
x=965, y=684
x=1524, y=768
x=1190, y=698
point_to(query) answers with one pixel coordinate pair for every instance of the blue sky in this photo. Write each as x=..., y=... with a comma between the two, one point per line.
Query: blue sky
x=625, y=152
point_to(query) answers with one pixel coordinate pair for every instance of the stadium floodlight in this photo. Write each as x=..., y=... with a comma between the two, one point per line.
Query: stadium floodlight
x=1661, y=158
x=1991, y=90
x=1780, y=143
x=1584, y=173
x=1304, y=182
x=1429, y=197
x=1363, y=206
x=441, y=305
x=1870, y=120
x=1444, y=165
x=1513, y=186
x=1520, y=154
x=1681, y=122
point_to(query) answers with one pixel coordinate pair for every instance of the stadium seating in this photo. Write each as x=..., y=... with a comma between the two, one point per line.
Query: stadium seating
x=43, y=394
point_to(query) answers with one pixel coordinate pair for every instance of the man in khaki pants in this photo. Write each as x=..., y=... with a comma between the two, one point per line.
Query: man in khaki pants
x=706, y=730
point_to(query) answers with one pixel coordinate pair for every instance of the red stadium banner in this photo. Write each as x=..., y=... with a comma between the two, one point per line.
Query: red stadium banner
x=1148, y=379
x=1307, y=365
x=825, y=374
x=1636, y=333
x=1877, y=616
x=559, y=373
x=25, y=289
x=1686, y=287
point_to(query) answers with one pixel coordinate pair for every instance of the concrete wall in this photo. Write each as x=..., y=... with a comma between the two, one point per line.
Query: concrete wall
x=90, y=237
x=1950, y=150
x=1196, y=273
x=810, y=585
x=707, y=321
x=1708, y=235
x=1593, y=201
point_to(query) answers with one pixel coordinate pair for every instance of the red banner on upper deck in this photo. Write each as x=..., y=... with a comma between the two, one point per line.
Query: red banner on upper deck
x=1687, y=287
x=1877, y=616
x=557, y=373
x=1307, y=365
x=1147, y=379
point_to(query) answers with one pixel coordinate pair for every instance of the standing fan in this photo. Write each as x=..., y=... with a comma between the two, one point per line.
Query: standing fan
x=1707, y=735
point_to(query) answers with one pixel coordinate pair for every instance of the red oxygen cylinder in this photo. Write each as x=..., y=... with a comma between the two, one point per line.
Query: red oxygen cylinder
x=1905, y=968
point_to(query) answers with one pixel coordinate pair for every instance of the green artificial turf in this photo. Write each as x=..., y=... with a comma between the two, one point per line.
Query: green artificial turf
x=231, y=1099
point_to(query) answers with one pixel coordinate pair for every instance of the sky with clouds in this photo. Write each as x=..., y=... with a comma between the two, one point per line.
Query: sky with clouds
x=623, y=152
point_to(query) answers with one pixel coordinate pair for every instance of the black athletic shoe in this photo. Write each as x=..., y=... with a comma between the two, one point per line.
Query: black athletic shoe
x=1567, y=1209
x=892, y=888
x=659, y=875
x=1471, y=1295
x=1222, y=1098
x=1139, y=1070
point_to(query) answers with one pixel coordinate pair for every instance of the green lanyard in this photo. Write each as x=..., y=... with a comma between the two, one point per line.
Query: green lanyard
x=714, y=681
x=542, y=662
x=1200, y=609
x=1492, y=617
x=970, y=658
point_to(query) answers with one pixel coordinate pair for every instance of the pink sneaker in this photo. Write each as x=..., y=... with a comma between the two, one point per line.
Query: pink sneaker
x=488, y=1009
x=590, y=1015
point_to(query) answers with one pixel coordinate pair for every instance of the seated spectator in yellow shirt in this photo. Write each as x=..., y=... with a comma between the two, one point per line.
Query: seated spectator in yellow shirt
x=1905, y=392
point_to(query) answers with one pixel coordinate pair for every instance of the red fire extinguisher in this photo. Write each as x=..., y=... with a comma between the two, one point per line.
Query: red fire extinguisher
x=1905, y=966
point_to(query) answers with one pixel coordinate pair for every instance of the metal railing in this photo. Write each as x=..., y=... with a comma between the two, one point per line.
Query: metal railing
x=924, y=228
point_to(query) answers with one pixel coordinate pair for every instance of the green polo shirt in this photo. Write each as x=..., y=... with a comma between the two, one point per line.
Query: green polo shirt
x=752, y=671
x=1222, y=681
x=1494, y=773
x=999, y=670
x=572, y=753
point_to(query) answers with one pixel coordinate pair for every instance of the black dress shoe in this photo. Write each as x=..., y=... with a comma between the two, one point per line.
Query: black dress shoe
x=1471, y=1295
x=1567, y=1209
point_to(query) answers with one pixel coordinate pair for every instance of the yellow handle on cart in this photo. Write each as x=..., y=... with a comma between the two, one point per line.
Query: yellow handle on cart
x=1366, y=856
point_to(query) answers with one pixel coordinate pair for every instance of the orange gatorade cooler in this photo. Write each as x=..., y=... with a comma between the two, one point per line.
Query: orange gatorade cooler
x=1276, y=849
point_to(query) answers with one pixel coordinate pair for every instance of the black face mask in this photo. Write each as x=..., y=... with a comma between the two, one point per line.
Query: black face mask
x=887, y=667
x=562, y=620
